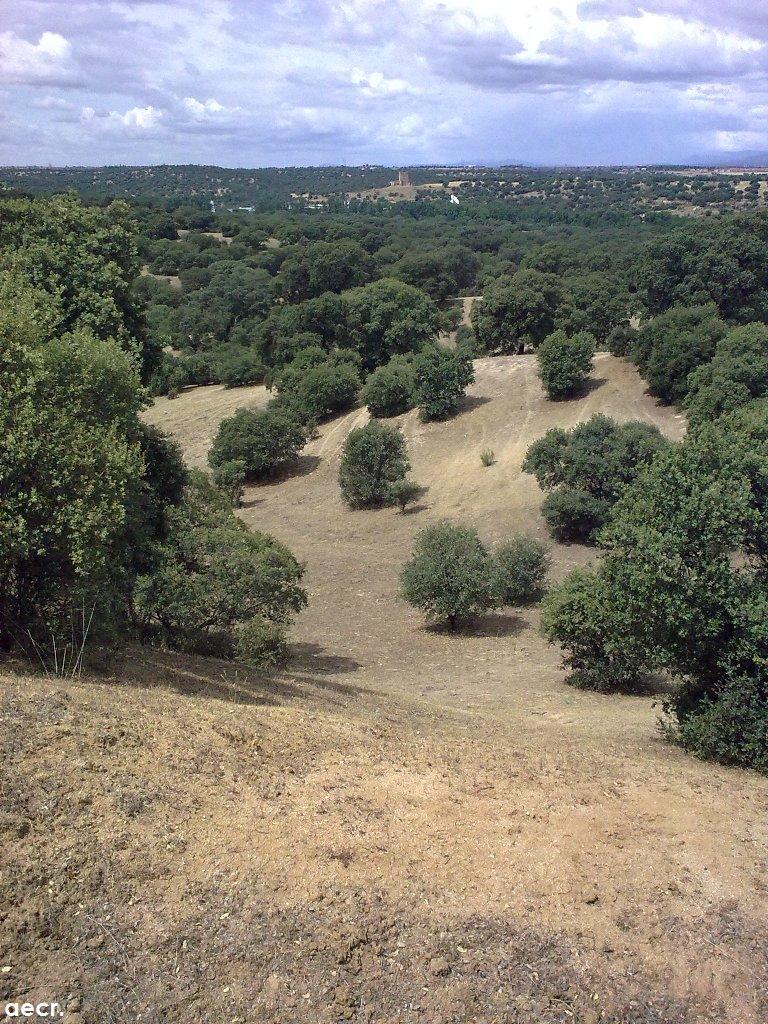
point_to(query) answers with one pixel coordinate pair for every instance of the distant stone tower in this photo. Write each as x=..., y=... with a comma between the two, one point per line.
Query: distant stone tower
x=403, y=178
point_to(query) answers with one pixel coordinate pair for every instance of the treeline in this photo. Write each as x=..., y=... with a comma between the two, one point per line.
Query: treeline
x=104, y=535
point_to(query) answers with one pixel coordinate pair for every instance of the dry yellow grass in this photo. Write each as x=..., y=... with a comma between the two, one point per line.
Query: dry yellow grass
x=406, y=825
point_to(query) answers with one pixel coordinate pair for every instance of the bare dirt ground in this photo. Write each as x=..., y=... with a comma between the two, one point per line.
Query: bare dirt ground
x=406, y=826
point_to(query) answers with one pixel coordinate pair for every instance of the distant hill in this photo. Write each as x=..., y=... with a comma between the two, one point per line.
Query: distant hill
x=742, y=158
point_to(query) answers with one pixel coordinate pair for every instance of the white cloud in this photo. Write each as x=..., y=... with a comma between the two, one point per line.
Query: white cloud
x=731, y=142
x=49, y=60
x=375, y=83
x=141, y=118
x=137, y=119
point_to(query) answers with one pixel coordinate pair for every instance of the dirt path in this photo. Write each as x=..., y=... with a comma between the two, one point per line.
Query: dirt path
x=467, y=302
x=407, y=826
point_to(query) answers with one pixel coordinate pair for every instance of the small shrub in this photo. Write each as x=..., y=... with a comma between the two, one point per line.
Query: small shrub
x=263, y=440
x=564, y=363
x=388, y=391
x=374, y=459
x=261, y=643
x=487, y=457
x=521, y=566
x=229, y=477
x=574, y=515
x=403, y=492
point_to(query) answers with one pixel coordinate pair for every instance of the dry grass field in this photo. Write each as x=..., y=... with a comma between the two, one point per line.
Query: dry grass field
x=405, y=826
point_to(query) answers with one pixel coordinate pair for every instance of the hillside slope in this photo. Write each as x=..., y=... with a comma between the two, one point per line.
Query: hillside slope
x=405, y=826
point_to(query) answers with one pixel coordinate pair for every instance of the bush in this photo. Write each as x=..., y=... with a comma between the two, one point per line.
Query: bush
x=591, y=464
x=240, y=368
x=572, y=514
x=521, y=566
x=487, y=457
x=214, y=583
x=620, y=340
x=450, y=575
x=229, y=477
x=263, y=440
x=577, y=614
x=388, y=391
x=403, y=492
x=564, y=363
x=731, y=729
x=321, y=384
x=441, y=377
x=261, y=643
x=374, y=458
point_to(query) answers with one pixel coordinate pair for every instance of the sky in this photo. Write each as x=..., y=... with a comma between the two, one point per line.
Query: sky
x=244, y=83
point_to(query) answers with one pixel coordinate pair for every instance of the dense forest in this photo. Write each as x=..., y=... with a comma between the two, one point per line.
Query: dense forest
x=104, y=533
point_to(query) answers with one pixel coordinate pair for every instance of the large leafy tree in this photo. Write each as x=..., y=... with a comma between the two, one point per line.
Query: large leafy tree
x=68, y=458
x=388, y=318
x=517, y=311
x=672, y=345
x=684, y=589
x=85, y=260
x=736, y=374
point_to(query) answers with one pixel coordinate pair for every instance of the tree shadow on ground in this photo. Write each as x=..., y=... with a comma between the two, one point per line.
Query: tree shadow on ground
x=309, y=673
x=471, y=402
x=590, y=385
x=485, y=626
x=303, y=466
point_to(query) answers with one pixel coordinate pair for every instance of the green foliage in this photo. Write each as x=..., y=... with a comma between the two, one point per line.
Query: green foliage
x=669, y=347
x=621, y=339
x=487, y=457
x=594, y=303
x=520, y=565
x=403, y=492
x=452, y=577
x=683, y=589
x=725, y=263
x=590, y=465
x=565, y=362
x=374, y=458
x=239, y=368
x=441, y=273
x=450, y=574
x=388, y=318
x=229, y=477
x=731, y=729
x=737, y=373
x=265, y=441
x=68, y=455
x=578, y=615
x=261, y=643
x=388, y=391
x=320, y=383
x=572, y=514
x=441, y=378
x=324, y=267
x=516, y=311
x=85, y=260
x=213, y=577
